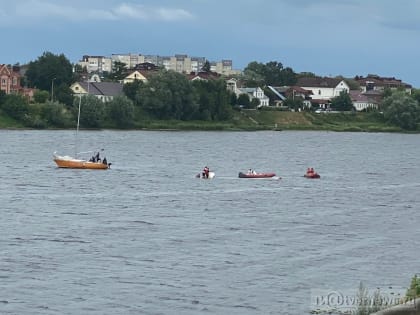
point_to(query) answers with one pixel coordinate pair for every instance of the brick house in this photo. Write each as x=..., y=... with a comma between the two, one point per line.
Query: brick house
x=9, y=79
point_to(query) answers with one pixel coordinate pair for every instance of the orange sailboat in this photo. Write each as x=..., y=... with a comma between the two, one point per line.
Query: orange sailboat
x=65, y=161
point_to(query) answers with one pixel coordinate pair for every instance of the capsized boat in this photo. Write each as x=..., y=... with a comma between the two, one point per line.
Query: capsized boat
x=65, y=161
x=256, y=175
x=201, y=175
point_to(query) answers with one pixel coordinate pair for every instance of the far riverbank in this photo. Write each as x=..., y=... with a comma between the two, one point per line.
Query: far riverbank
x=254, y=120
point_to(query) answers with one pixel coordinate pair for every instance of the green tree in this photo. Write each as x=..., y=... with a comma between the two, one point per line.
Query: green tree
x=92, y=111
x=55, y=114
x=295, y=103
x=271, y=73
x=15, y=106
x=306, y=75
x=119, y=70
x=254, y=74
x=402, y=110
x=130, y=89
x=342, y=102
x=41, y=96
x=50, y=71
x=214, y=100
x=386, y=92
x=3, y=97
x=121, y=111
x=233, y=99
x=79, y=73
x=255, y=102
x=415, y=93
x=206, y=67
x=243, y=100
x=63, y=94
x=168, y=95
x=414, y=290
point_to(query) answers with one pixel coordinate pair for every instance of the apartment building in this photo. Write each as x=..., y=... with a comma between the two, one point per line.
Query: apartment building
x=98, y=64
x=180, y=63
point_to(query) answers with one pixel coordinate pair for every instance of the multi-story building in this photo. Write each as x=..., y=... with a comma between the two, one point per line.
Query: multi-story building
x=180, y=63
x=9, y=79
x=131, y=60
x=224, y=67
x=97, y=64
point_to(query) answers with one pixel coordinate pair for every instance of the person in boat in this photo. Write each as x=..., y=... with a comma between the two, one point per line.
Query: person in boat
x=104, y=161
x=92, y=159
x=206, y=172
x=310, y=171
x=97, y=158
x=250, y=171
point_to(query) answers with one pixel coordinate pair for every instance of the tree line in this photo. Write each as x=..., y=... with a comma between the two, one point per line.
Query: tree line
x=167, y=95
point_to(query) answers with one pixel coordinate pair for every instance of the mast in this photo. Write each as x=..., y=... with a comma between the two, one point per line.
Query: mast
x=78, y=122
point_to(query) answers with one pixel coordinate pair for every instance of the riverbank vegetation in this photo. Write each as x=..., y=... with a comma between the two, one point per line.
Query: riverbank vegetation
x=169, y=100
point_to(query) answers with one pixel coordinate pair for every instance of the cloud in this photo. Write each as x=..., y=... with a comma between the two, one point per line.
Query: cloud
x=141, y=12
x=403, y=17
x=32, y=11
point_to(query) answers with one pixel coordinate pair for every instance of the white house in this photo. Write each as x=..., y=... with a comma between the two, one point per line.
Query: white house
x=291, y=92
x=255, y=92
x=323, y=88
x=133, y=76
x=362, y=101
x=105, y=91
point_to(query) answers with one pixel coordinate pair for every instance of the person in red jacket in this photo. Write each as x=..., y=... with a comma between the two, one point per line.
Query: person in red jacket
x=206, y=172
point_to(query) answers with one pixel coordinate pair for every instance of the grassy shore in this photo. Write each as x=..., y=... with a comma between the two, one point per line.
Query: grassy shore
x=282, y=120
x=254, y=120
x=9, y=123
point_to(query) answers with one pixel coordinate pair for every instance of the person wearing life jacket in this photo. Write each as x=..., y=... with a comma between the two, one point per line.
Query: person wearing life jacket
x=206, y=172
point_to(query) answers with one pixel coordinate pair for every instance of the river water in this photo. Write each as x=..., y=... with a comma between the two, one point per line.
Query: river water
x=147, y=237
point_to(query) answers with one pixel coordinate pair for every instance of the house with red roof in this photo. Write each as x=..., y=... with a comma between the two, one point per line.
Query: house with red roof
x=364, y=101
x=9, y=79
x=375, y=82
x=290, y=92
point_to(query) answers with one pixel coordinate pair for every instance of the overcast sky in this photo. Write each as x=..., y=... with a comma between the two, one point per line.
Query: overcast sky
x=326, y=37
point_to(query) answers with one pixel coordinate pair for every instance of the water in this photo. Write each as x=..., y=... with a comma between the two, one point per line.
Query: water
x=147, y=237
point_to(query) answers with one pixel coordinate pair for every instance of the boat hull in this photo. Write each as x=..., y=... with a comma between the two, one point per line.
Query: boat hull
x=257, y=175
x=200, y=175
x=69, y=162
x=312, y=176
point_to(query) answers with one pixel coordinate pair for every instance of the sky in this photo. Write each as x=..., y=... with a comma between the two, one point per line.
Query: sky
x=325, y=37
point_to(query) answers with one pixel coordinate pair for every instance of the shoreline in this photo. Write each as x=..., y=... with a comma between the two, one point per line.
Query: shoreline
x=252, y=120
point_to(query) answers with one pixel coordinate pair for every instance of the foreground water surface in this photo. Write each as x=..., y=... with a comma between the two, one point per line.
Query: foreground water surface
x=147, y=237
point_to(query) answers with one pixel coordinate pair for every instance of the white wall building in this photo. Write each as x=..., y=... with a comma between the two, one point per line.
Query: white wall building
x=323, y=88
